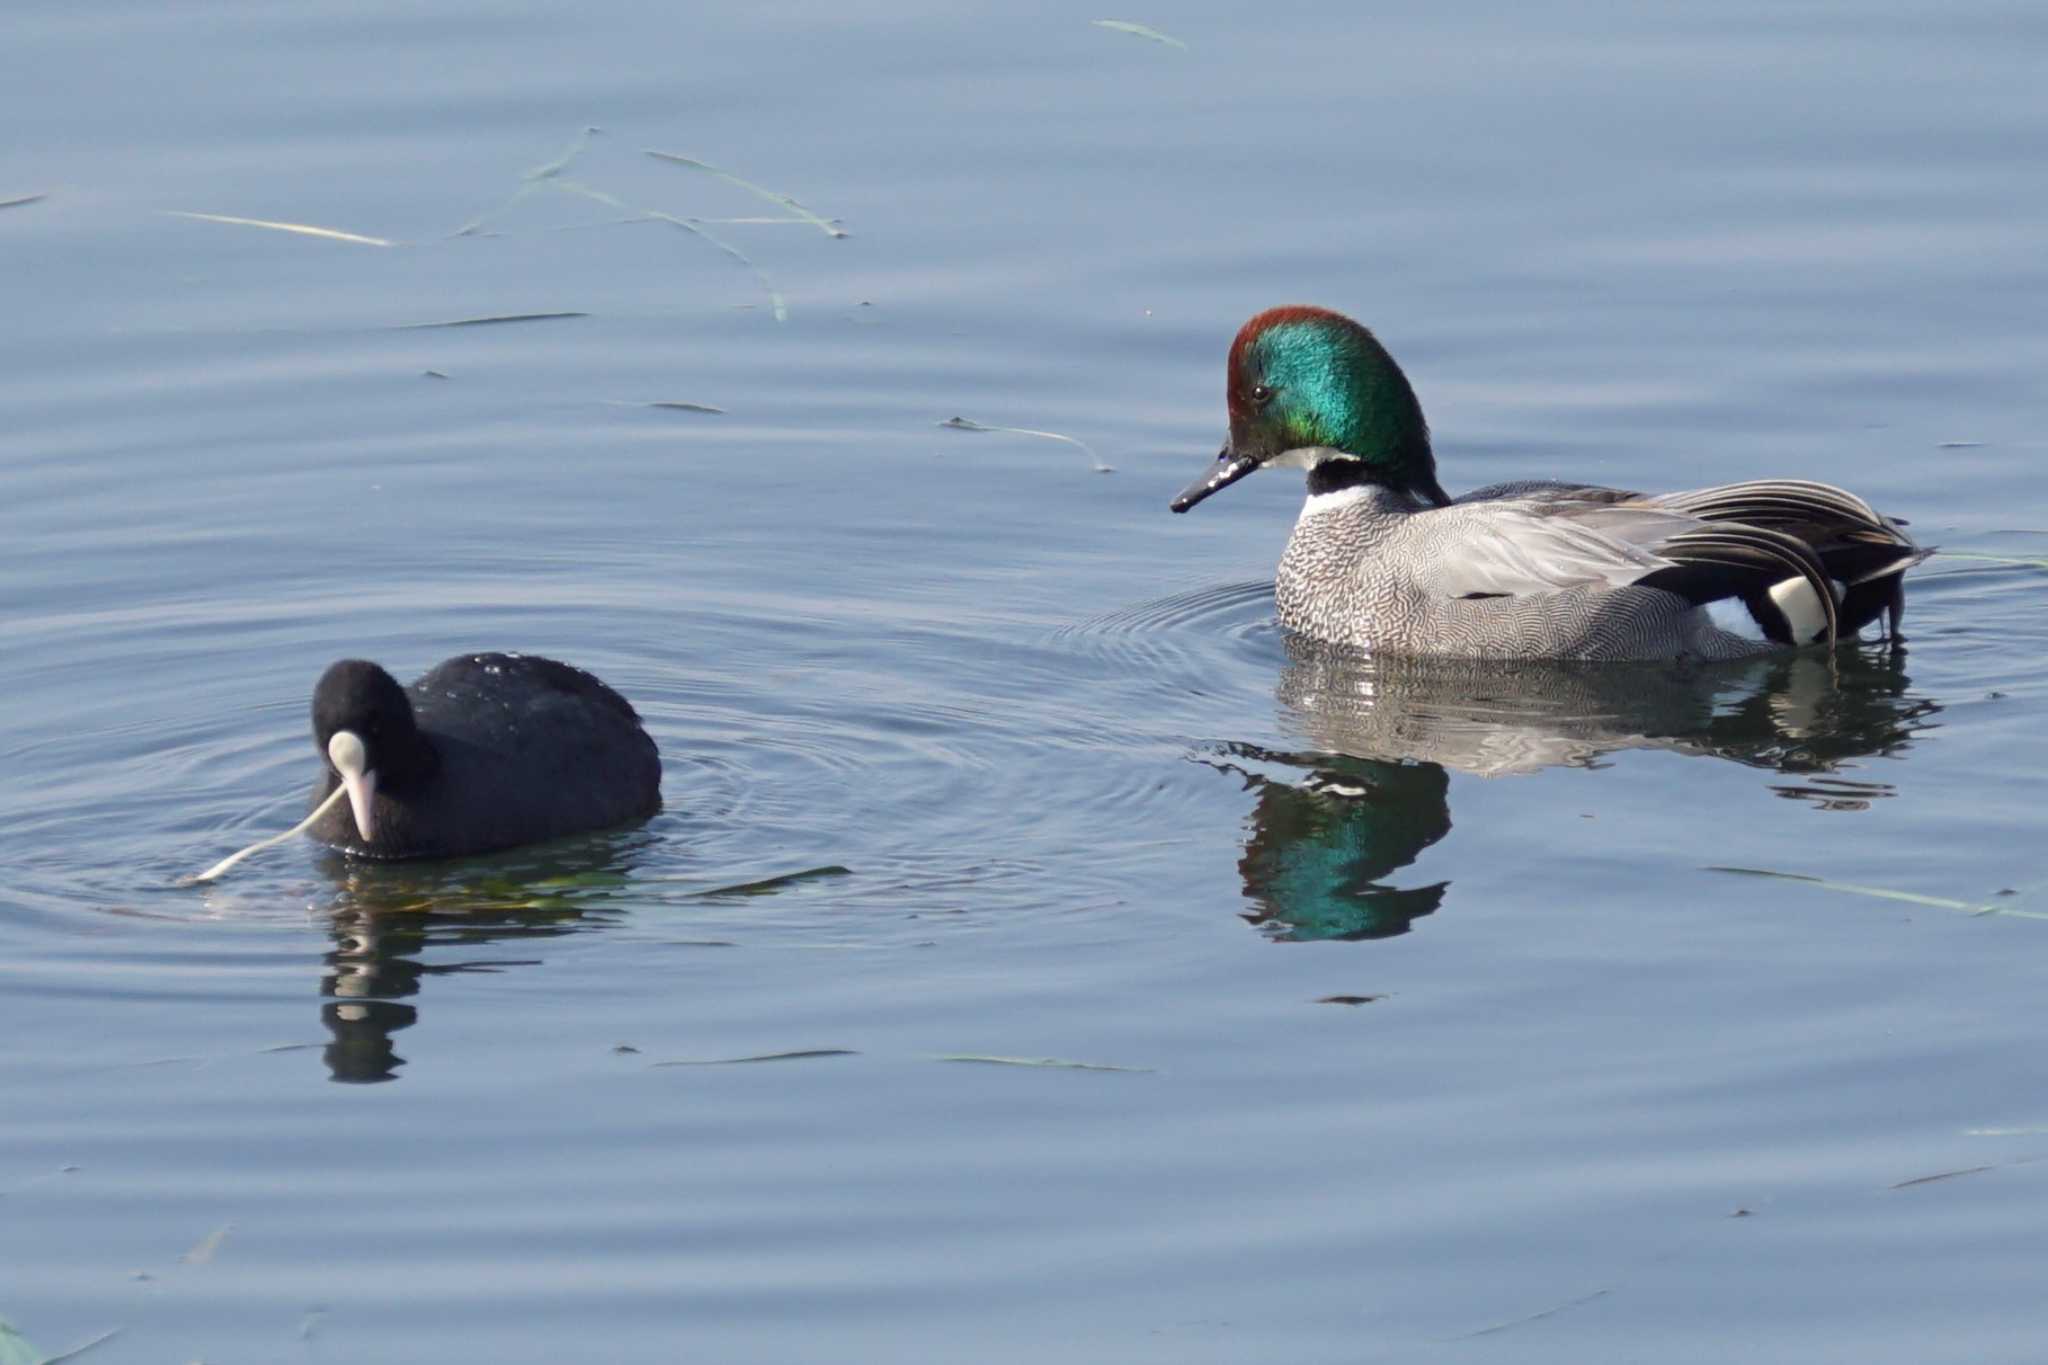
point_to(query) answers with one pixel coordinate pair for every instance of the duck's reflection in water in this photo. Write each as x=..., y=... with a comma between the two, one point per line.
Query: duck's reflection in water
x=385, y=920
x=1330, y=826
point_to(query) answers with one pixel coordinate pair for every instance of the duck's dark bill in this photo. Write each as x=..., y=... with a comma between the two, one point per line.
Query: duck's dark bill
x=1227, y=470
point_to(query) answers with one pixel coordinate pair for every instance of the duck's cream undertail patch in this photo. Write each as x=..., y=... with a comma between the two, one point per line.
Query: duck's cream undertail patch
x=1803, y=609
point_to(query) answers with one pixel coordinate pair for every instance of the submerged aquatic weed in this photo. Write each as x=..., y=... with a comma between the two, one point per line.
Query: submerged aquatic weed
x=762, y=886
x=272, y=842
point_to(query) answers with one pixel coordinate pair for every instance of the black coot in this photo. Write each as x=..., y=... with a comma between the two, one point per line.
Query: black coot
x=487, y=751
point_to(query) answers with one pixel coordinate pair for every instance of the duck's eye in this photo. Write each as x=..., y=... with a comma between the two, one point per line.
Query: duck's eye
x=1262, y=395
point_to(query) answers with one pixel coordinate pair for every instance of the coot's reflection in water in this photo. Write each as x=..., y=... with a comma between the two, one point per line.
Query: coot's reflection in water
x=394, y=925
x=1330, y=825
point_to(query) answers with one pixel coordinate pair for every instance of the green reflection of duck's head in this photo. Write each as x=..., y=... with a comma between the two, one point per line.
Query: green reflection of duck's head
x=1322, y=844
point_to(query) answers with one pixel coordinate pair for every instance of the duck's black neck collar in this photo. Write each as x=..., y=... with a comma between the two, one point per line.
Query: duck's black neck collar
x=1338, y=473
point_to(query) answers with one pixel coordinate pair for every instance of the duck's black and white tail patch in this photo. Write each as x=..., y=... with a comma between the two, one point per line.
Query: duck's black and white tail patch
x=1864, y=553
x=1789, y=612
x=1777, y=578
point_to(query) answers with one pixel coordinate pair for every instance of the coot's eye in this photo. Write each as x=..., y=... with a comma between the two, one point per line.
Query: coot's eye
x=1262, y=395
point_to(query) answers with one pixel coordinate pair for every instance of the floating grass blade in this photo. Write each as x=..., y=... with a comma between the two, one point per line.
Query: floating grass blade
x=549, y=169
x=490, y=321
x=475, y=226
x=80, y=1349
x=1885, y=893
x=531, y=181
x=301, y=229
x=776, y=303
x=665, y=404
x=204, y=1249
x=15, y=1348
x=1995, y=559
x=802, y=1054
x=602, y=223
x=22, y=201
x=967, y=424
x=775, y=298
x=1566, y=1306
x=300, y=828
x=1940, y=1175
x=1050, y=1063
x=1139, y=31
x=826, y=225
x=551, y=175
x=801, y=222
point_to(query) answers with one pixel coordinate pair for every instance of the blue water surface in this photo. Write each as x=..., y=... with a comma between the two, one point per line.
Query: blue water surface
x=1421, y=1020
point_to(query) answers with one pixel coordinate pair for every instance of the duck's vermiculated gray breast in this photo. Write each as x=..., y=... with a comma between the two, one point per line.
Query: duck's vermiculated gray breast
x=1354, y=575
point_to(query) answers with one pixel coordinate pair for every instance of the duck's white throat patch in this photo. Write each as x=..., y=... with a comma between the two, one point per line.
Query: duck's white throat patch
x=1318, y=503
x=1307, y=457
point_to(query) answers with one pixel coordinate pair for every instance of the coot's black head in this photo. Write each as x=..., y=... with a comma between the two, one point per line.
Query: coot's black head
x=363, y=723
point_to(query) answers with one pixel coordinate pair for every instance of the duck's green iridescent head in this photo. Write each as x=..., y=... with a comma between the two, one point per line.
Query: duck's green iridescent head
x=1311, y=389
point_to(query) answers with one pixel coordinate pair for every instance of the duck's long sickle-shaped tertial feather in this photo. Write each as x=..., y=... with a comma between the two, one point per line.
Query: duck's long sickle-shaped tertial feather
x=300, y=828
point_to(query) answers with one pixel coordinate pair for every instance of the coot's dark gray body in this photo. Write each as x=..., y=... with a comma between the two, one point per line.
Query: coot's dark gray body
x=510, y=749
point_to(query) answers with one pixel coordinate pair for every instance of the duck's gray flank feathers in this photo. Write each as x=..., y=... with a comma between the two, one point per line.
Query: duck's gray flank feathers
x=1547, y=570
